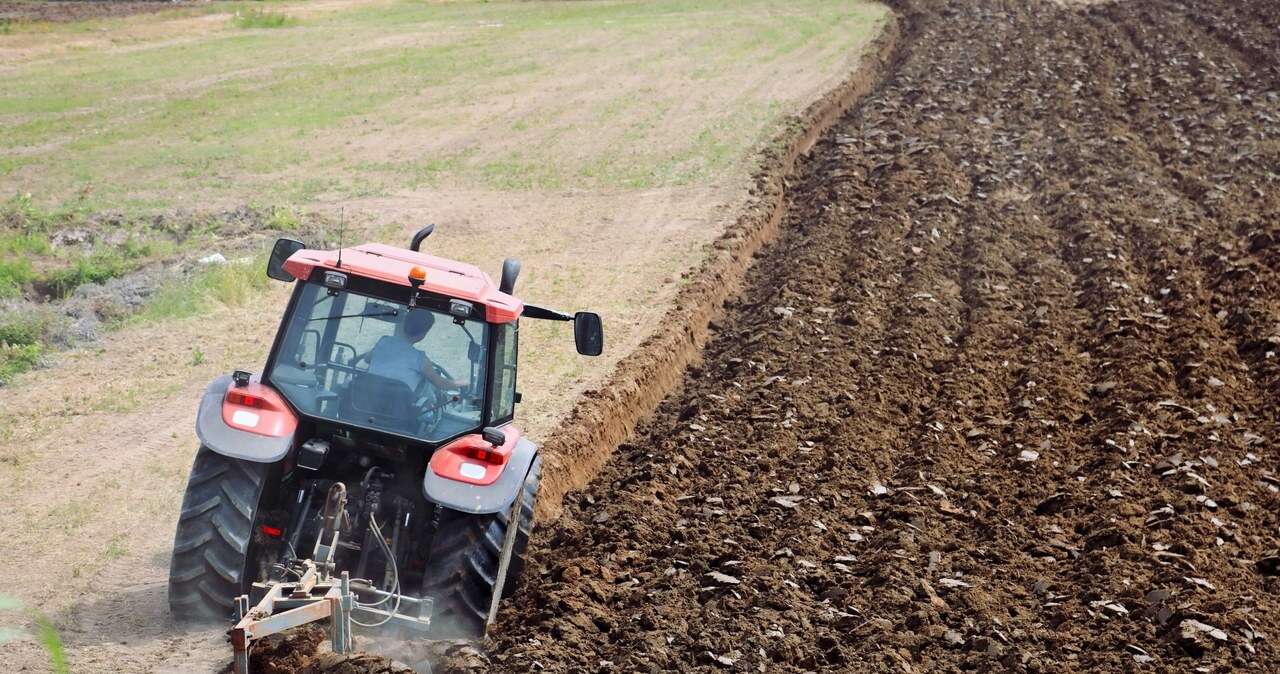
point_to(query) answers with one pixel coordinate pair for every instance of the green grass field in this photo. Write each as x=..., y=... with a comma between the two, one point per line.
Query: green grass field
x=277, y=105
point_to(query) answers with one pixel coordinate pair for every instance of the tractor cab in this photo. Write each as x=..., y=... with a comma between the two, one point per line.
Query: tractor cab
x=400, y=342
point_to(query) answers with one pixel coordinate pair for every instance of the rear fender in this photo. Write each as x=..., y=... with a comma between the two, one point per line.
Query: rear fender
x=454, y=481
x=262, y=432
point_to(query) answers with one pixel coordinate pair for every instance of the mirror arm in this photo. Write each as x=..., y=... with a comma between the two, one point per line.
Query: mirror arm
x=542, y=313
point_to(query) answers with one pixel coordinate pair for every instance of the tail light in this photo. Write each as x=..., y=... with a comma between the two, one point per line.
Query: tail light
x=484, y=455
x=241, y=398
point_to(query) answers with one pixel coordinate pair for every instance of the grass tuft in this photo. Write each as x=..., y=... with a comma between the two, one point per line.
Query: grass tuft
x=230, y=284
x=95, y=268
x=17, y=358
x=256, y=18
x=48, y=637
x=15, y=244
x=14, y=274
x=26, y=328
x=21, y=212
x=283, y=219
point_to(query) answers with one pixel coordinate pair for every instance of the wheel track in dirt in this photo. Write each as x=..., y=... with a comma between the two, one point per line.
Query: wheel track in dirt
x=1044, y=328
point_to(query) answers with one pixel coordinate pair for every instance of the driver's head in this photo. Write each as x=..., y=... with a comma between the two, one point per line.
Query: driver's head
x=417, y=323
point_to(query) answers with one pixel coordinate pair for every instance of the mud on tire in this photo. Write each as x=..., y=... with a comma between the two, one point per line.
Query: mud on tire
x=462, y=564
x=211, y=547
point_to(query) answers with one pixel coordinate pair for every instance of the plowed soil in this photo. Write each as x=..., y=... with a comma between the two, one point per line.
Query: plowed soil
x=1004, y=393
x=79, y=10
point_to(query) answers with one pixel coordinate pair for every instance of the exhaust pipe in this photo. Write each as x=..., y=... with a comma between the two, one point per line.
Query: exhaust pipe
x=420, y=236
x=510, y=271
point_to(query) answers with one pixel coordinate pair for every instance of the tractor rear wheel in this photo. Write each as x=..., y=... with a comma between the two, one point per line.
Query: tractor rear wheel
x=462, y=565
x=211, y=549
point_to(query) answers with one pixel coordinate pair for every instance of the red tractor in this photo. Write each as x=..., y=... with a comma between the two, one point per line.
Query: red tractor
x=377, y=443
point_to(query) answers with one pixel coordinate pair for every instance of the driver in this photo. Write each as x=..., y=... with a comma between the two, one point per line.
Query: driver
x=394, y=356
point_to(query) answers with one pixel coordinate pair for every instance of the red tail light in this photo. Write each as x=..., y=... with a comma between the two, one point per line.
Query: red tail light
x=273, y=532
x=484, y=456
x=241, y=398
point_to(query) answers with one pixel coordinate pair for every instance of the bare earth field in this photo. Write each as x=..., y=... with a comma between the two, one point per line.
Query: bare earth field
x=1003, y=396
x=605, y=144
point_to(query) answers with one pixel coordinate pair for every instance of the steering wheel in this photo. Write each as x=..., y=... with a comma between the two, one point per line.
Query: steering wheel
x=436, y=400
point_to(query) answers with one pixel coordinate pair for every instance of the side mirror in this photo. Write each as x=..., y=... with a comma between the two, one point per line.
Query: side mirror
x=588, y=333
x=494, y=436
x=279, y=253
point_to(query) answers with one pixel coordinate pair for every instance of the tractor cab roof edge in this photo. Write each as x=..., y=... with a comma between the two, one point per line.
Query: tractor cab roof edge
x=391, y=264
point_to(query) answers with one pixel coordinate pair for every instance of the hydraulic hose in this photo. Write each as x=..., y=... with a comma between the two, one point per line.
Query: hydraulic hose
x=395, y=573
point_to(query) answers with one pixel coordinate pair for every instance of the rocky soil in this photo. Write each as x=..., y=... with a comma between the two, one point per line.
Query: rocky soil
x=1005, y=393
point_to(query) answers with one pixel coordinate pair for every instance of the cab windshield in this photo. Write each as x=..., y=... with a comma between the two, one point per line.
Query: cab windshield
x=375, y=363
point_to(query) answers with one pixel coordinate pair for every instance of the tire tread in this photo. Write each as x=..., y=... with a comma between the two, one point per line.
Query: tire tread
x=211, y=545
x=462, y=565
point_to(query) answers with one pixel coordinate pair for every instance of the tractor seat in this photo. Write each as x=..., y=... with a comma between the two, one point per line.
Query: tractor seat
x=380, y=402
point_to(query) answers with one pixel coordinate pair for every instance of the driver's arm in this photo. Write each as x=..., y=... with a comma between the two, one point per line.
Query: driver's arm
x=442, y=384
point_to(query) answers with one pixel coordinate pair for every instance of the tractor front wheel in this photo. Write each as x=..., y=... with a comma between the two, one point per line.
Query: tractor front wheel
x=212, y=547
x=462, y=565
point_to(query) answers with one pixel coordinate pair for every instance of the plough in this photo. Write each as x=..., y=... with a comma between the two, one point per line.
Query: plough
x=316, y=595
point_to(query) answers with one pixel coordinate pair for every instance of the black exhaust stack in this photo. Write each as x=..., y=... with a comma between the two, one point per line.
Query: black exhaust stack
x=510, y=271
x=418, y=238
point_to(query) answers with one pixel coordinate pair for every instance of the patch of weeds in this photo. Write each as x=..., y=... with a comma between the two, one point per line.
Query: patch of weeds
x=283, y=219
x=115, y=548
x=197, y=357
x=229, y=284
x=23, y=243
x=29, y=260
x=95, y=268
x=24, y=329
x=257, y=18
x=17, y=358
x=21, y=212
x=14, y=274
x=137, y=249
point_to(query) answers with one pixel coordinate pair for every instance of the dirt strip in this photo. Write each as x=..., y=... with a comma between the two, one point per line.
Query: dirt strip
x=58, y=11
x=1004, y=394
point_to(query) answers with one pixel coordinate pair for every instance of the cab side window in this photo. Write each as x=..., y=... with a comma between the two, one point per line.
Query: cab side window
x=503, y=386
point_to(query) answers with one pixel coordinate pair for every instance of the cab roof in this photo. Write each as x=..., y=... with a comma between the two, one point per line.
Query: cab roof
x=388, y=263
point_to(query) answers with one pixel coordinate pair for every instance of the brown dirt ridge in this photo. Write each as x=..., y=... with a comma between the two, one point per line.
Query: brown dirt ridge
x=1003, y=395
